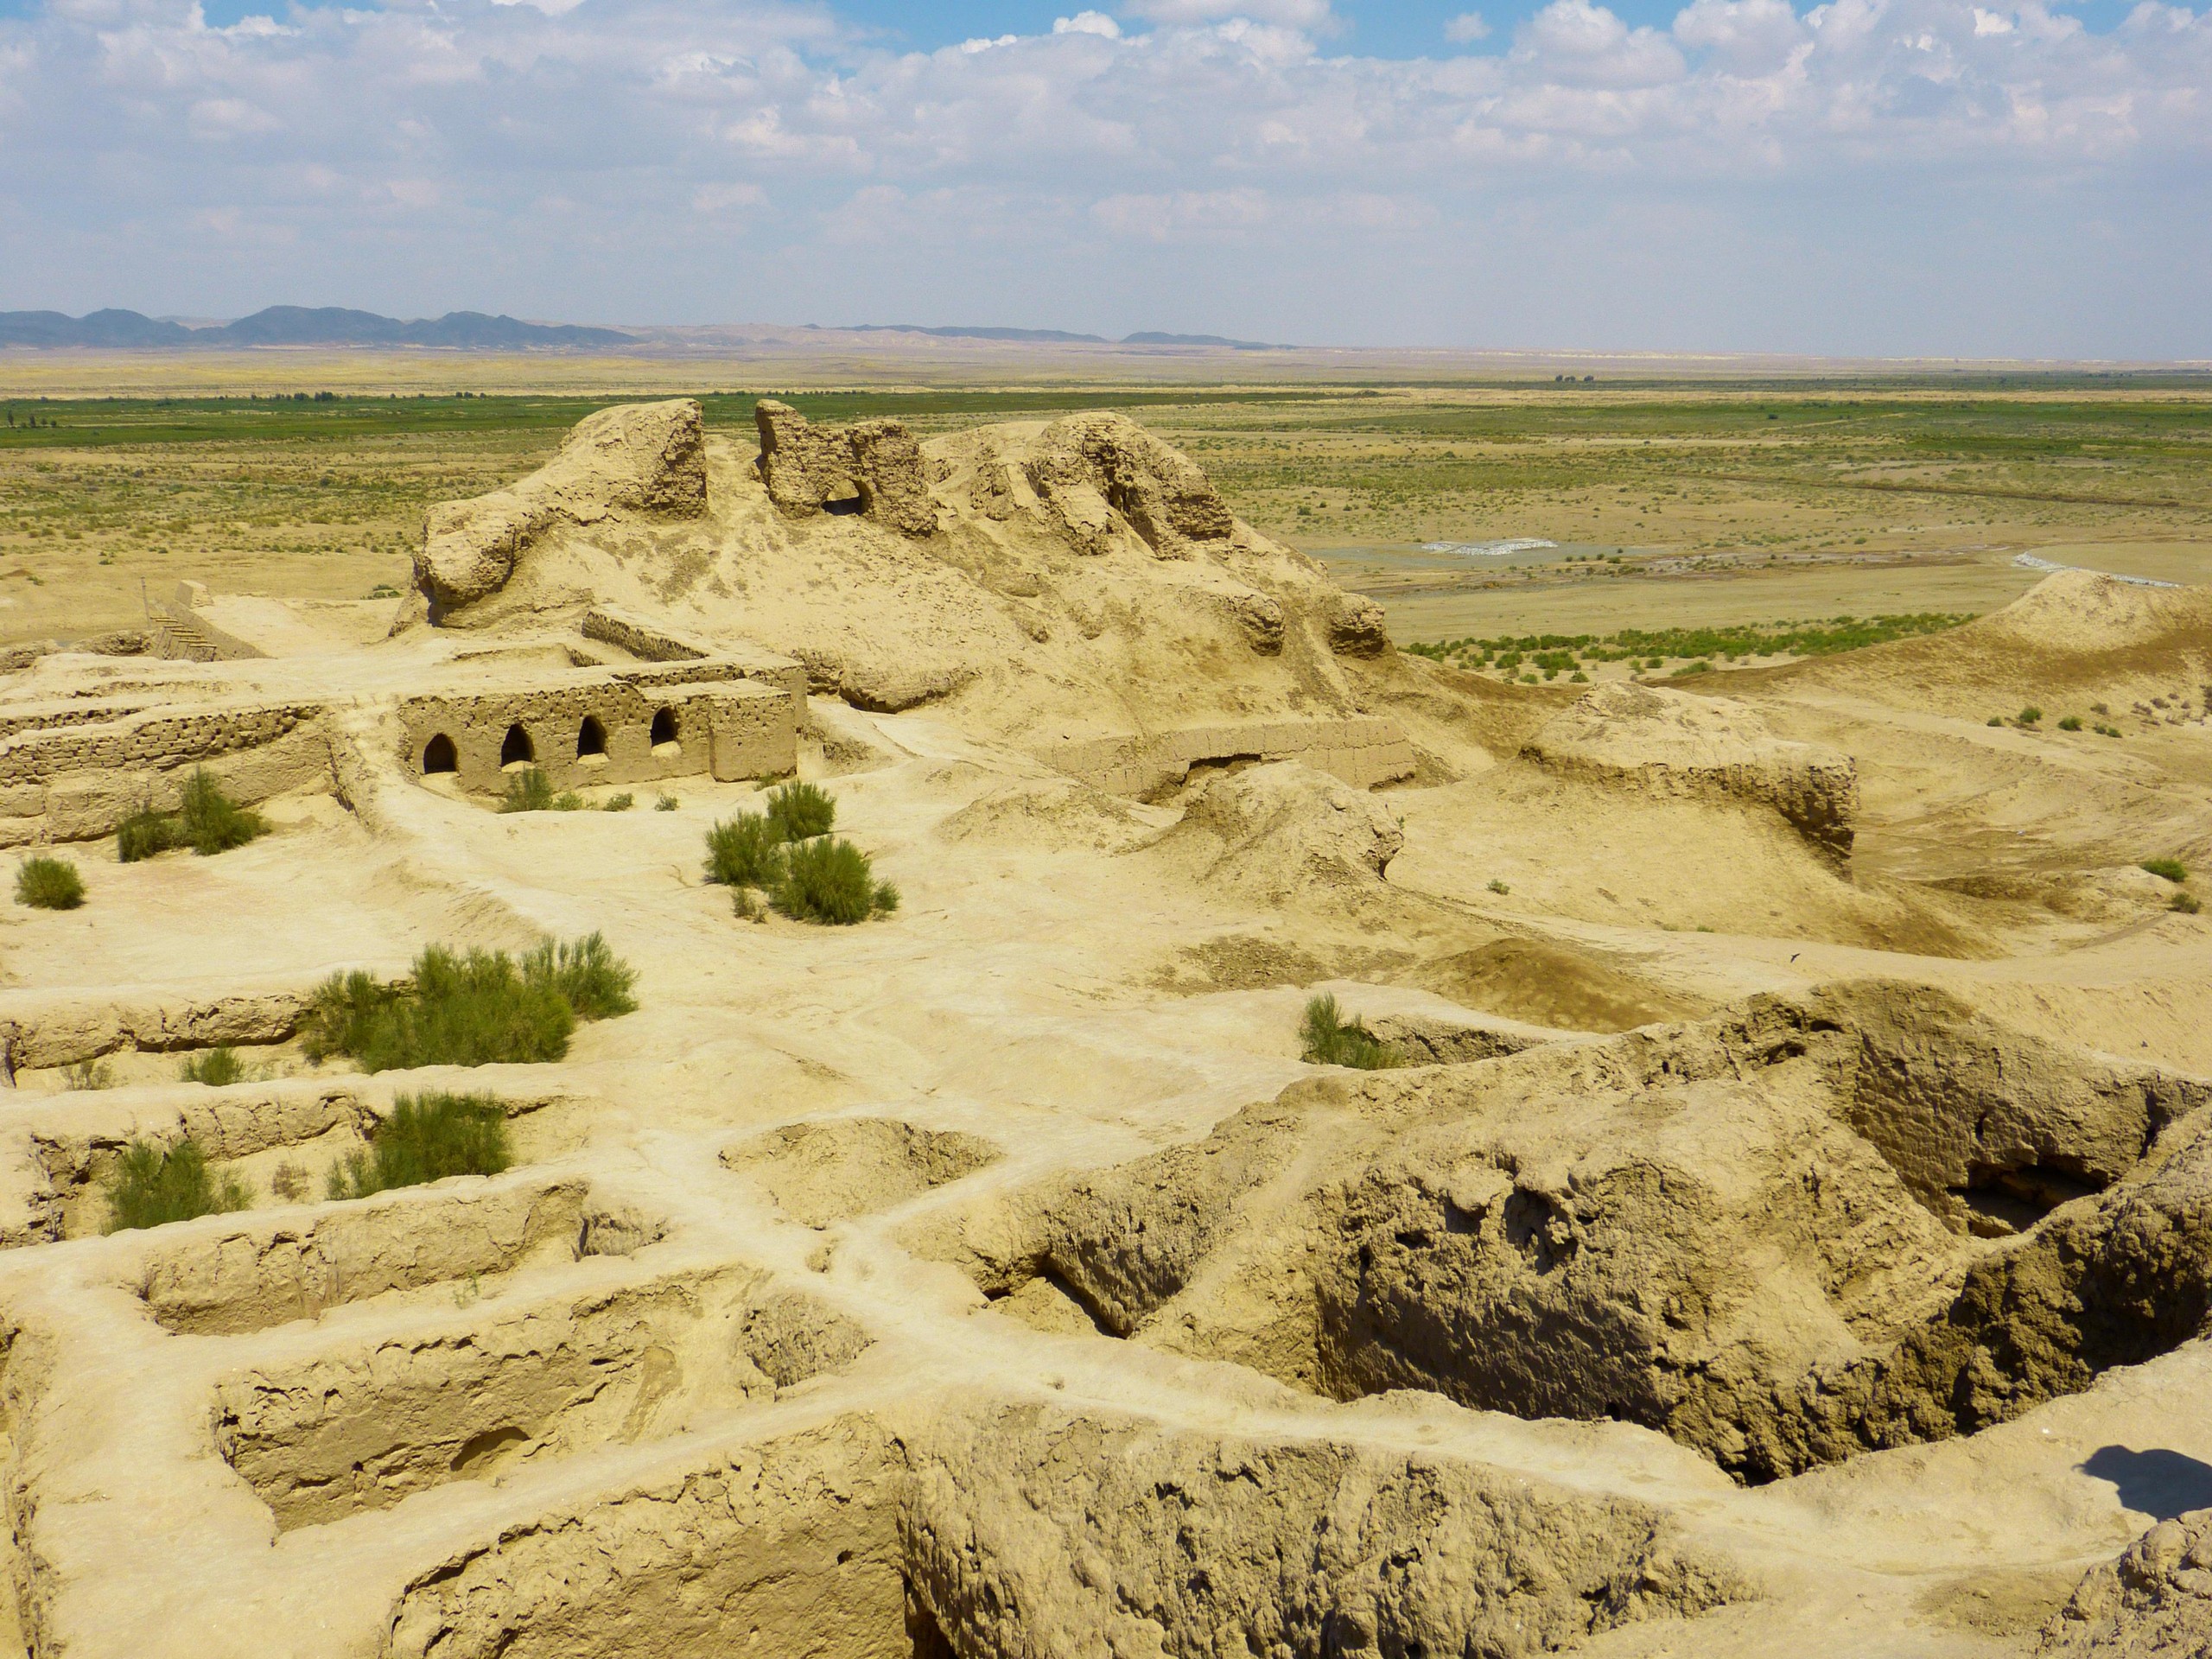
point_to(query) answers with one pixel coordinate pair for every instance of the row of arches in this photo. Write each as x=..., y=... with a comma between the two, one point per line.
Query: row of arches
x=519, y=748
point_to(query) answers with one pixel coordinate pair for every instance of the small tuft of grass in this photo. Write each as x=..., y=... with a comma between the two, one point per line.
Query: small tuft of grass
x=832, y=881
x=151, y=1187
x=746, y=851
x=666, y=803
x=88, y=1074
x=426, y=1139
x=2172, y=869
x=218, y=1067
x=1331, y=1039
x=530, y=790
x=1498, y=885
x=2029, y=716
x=2185, y=903
x=2069, y=723
x=479, y=1009
x=48, y=883
x=621, y=803
x=143, y=834
x=1997, y=720
x=802, y=812
x=289, y=1181
x=2107, y=731
x=567, y=801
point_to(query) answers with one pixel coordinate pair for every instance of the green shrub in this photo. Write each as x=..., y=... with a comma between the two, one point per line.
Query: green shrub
x=151, y=1187
x=2070, y=723
x=586, y=974
x=1498, y=885
x=218, y=1067
x=530, y=790
x=1331, y=1039
x=621, y=803
x=830, y=881
x=2029, y=716
x=2185, y=903
x=746, y=851
x=48, y=883
x=666, y=803
x=1997, y=720
x=211, y=822
x=2107, y=731
x=801, y=811
x=145, y=834
x=479, y=1009
x=207, y=821
x=426, y=1139
x=2171, y=868
x=567, y=801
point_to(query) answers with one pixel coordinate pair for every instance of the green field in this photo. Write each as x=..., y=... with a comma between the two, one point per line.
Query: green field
x=321, y=492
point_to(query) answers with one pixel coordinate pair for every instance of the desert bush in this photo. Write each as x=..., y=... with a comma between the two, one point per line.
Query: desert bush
x=289, y=1181
x=830, y=881
x=2070, y=723
x=218, y=1067
x=145, y=834
x=802, y=812
x=1331, y=1039
x=666, y=803
x=48, y=883
x=2029, y=716
x=2185, y=903
x=568, y=801
x=746, y=851
x=530, y=790
x=586, y=974
x=1497, y=885
x=207, y=821
x=2172, y=869
x=1997, y=720
x=151, y=1187
x=478, y=1010
x=211, y=822
x=426, y=1139
x=621, y=803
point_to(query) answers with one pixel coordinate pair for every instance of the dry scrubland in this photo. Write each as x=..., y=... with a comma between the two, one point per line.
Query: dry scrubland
x=875, y=1024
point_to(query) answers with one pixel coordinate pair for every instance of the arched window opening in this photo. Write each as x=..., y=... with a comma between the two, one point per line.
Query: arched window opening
x=591, y=739
x=516, y=749
x=440, y=755
x=664, y=734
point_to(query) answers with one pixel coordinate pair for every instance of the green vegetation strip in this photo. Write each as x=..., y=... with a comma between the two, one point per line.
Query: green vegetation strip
x=1823, y=639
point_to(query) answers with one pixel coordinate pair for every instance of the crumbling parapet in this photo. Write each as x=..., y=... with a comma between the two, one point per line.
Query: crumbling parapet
x=1085, y=463
x=871, y=468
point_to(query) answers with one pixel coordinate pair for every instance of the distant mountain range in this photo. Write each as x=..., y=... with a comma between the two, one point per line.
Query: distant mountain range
x=1060, y=336
x=298, y=325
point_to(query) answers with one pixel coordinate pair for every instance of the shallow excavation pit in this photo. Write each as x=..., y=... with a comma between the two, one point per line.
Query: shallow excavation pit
x=463, y=1398
x=1568, y=1231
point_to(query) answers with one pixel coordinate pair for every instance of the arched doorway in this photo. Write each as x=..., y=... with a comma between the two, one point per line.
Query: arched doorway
x=440, y=755
x=516, y=749
x=664, y=734
x=591, y=739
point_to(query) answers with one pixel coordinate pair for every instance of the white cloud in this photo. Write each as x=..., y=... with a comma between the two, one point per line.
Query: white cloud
x=1468, y=26
x=130, y=128
x=1087, y=22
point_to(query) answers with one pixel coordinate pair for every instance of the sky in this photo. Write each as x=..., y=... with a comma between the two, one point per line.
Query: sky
x=1863, y=177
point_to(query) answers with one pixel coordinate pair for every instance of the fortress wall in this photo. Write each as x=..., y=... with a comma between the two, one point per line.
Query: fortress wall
x=601, y=728
x=1363, y=750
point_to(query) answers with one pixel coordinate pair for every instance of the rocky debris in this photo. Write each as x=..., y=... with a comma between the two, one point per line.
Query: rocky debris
x=1030, y=1531
x=1668, y=742
x=641, y=458
x=872, y=468
x=1357, y=626
x=2155, y=1602
x=835, y=1168
x=1283, y=832
x=793, y=1339
x=1085, y=463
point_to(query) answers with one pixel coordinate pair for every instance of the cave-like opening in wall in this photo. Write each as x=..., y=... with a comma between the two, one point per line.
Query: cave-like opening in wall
x=439, y=755
x=516, y=749
x=665, y=734
x=591, y=739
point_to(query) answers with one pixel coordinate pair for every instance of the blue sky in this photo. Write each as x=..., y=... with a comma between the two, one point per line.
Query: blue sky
x=1865, y=177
